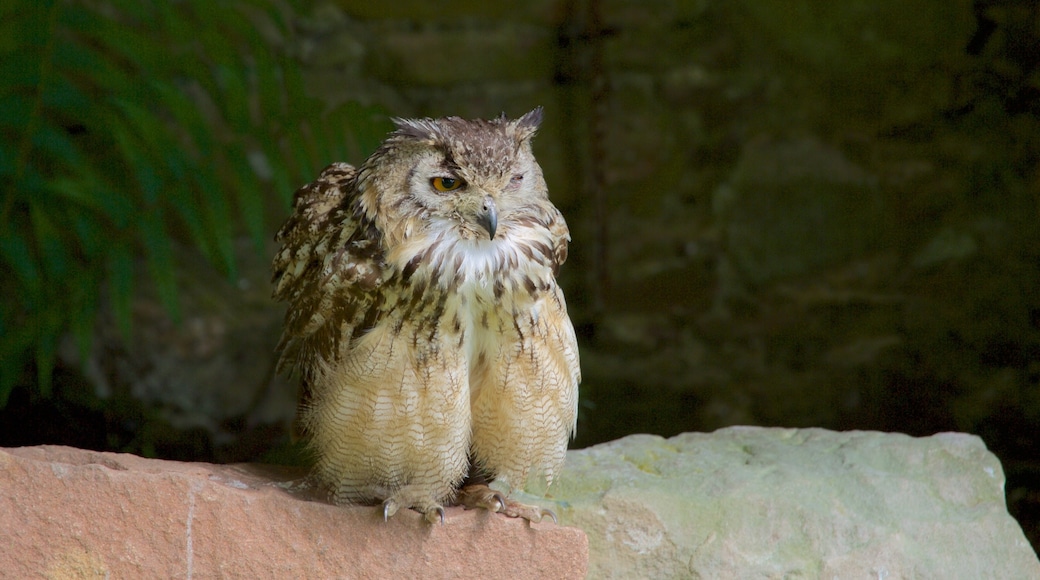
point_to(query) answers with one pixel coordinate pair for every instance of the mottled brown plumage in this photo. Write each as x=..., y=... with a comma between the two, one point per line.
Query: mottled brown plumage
x=425, y=320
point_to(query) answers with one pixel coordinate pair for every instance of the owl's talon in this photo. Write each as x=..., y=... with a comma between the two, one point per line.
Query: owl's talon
x=531, y=513
x=481, y=496
x=389, y=509
x=551, y=514
x=501, y=499
x=435, y=513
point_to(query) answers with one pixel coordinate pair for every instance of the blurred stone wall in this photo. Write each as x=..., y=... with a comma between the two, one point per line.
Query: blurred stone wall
x=795, y=213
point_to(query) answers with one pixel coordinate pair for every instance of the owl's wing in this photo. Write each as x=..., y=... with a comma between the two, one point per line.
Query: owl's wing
x=549, y=332
x=328, y=270
x=561, y=235
x=298, y=264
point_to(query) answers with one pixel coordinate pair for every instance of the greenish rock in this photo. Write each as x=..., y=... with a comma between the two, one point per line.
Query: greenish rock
x=749, y=502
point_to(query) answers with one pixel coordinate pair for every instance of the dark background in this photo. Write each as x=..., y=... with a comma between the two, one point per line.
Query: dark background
x=783, y=213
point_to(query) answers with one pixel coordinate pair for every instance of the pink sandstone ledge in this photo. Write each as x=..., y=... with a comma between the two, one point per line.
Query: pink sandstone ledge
x=70, y=513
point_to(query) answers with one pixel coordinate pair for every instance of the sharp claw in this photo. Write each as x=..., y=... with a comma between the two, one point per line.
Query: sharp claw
x=389, y=509
x=551, y=514
x=501, y=499
x=439, y=511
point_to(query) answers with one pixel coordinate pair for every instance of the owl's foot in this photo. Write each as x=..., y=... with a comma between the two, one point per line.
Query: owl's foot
x=480, y=496
x=431, y=510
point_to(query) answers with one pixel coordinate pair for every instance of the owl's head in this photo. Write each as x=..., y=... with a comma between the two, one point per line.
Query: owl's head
x=473, y=178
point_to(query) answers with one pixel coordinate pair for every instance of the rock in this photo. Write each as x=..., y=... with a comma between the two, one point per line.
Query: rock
x=742, y=502
x=69, y=513
x=748, y=502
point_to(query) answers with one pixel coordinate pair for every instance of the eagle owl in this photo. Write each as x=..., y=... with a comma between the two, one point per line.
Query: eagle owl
x=425, y=321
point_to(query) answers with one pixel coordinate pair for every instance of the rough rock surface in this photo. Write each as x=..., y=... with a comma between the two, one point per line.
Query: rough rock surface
x=738, y=503
x=749, y=502
x=68, y=513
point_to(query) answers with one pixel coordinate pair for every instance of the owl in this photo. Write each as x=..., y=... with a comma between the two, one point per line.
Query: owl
x=425, y=321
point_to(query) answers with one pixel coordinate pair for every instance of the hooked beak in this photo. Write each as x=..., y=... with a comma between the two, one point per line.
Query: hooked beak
x=488, y=217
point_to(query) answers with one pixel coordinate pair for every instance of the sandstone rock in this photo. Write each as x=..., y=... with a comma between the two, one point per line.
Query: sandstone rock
x=738, y=503
x=793, y=503
x=68, y=513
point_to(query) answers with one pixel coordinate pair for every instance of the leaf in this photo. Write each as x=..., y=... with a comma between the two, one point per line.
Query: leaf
x=183, y=203
x=134, y=45
x=7, y=162
x=295, y=158
x=14, y=250
x=233, y=95
x=35, y=23
x=48, y=139
x=270, y=99
x=121, y=287
x=86, y=62
x=216, y=216
x=249, y=195
x=172, y=22
x=49, y=244
x=148, y=178
x=83, y=314
x=20, y=70
x=67, y=100
x=90, y=235
x=85, y=189
x=325, y=144
x=159, y=258
x=15, y=110
x=279, y=176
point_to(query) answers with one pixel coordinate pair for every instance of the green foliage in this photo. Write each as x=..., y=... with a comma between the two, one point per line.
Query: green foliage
x=130, y=125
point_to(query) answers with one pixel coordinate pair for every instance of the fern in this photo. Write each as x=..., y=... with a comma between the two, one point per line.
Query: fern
x=127, y=125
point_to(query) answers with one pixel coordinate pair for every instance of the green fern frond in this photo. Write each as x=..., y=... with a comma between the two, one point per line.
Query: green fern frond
x=129, y=126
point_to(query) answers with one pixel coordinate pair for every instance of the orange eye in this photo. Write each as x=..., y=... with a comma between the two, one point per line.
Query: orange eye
x=443, y=184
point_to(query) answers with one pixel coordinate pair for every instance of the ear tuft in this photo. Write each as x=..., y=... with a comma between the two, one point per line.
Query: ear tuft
x=423, y=129
x=527, y=125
